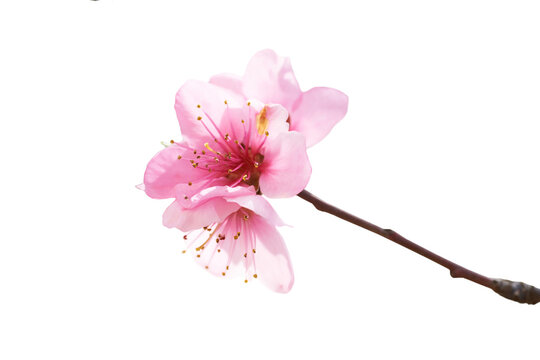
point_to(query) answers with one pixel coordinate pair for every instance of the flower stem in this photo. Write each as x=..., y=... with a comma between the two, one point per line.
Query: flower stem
x=516, y=291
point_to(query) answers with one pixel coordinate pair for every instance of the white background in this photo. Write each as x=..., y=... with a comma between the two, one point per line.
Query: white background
x=440, y=144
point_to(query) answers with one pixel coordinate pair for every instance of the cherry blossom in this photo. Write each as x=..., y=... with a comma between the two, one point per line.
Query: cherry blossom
x=232, y=231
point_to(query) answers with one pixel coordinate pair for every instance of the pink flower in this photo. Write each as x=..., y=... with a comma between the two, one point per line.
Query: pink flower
x=242, y=137
x=229, y=141
x=233, y=229
x=270, y=79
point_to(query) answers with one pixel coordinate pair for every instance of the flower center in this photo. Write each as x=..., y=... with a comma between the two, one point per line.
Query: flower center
x=236, y=157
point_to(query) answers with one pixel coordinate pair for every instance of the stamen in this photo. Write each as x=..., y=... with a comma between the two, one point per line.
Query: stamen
x=209, y=148
x=209, y=237
x=217, y=129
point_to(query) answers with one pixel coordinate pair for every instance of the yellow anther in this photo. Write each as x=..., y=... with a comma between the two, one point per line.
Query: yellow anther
x=255, y=276
x=179, y=157
x=198, y=106
x=227, y=267
x=172, y=141
x=262, y=121
x=198, y=255
x=223, y=273
x=245, y=177
x=253, y=251
x=245, y=281
x=185, y=197
x=249, y=103
x=183, y=251
x=266, y=133
x=225, y=102
x=199, y=118
x=190, y=183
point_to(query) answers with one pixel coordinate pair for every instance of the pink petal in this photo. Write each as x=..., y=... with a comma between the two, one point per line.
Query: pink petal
x=228, y=81
x=259, y=205
x=211, y=211
x=197, y=99
x=165, y=171
x=317, y=111
x=273, y=265
x=223, y=191
x=286, y=169
x=270, y=78
x=277, y=119
x=220, y=191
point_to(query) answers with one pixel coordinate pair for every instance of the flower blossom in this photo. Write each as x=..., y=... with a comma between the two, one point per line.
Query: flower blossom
x=229, y=141
x=233, y=230
x=242, y=137
x=270, y=79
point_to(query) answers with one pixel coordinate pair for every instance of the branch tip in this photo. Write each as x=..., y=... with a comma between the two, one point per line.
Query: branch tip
x=517, y=291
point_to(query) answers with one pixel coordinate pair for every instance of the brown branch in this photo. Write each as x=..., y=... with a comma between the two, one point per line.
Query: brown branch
x=516, y=291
